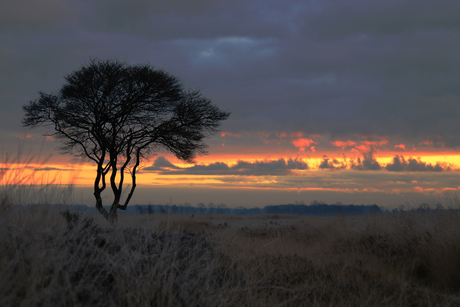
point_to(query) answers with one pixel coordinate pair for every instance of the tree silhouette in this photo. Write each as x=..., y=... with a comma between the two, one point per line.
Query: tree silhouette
x=116, y=114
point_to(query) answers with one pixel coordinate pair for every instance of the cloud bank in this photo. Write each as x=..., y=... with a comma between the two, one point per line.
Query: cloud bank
x=243, y=168
x=400, y=164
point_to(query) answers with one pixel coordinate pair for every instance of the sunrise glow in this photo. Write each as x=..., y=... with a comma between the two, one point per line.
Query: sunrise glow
x=339, y=103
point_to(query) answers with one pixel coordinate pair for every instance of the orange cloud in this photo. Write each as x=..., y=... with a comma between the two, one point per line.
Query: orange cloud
x=402, y=146
x=297, y=134
x=354, y=150
x=421, y=189
x=375, y=143
x=363, y=148
x=426, y=143
x=223, y=134
x=448, y=189
x=264, y=134
x=434, y=141
x=283, y=135
x=303, y=142
x=343, y=144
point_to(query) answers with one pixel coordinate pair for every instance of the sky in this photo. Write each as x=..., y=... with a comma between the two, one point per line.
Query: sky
x=351, y=101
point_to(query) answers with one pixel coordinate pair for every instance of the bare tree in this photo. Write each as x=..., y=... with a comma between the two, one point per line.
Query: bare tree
x=116, y=114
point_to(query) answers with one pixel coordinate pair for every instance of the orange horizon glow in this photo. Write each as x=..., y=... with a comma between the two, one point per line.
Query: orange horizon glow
x=333, y=166
x=83, y=174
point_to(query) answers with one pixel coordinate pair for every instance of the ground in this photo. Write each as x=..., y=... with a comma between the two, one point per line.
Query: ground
x=407, y=259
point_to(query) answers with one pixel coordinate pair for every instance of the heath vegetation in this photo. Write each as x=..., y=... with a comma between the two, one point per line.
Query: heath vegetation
x=51, y=257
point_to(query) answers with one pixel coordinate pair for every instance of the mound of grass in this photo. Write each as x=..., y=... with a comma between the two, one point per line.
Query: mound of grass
x=52, y=258
x=49, y=259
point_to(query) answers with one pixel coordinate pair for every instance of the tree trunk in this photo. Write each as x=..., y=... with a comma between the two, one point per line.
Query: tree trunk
x=99, y=207
x=98, y=190
x=113, y=210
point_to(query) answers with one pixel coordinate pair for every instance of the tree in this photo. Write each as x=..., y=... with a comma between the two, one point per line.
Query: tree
x=116, y=114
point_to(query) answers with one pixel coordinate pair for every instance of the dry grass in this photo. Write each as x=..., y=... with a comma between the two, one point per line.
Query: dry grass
x=409, y=259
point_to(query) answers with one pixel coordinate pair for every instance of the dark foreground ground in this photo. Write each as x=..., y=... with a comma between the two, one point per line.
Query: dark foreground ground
x=410, y=259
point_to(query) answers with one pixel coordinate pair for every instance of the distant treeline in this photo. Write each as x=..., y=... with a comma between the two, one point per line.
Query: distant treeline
x=318, y=209
x=315, y=209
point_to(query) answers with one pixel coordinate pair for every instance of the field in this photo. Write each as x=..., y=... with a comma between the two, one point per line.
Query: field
x=52, y=259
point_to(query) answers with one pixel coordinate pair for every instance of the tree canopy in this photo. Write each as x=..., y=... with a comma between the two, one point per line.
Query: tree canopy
x=116, y=114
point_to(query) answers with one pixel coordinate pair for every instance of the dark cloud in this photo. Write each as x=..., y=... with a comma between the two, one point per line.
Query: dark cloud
x=326, y=67
x=44, y=169
x=326, y=164
x=391, y=17
x=400, y=164
x=331, y=164
x=160, y=164
x=202, y=19
x=257, y=168
x=367, y=163
x=33, y=15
